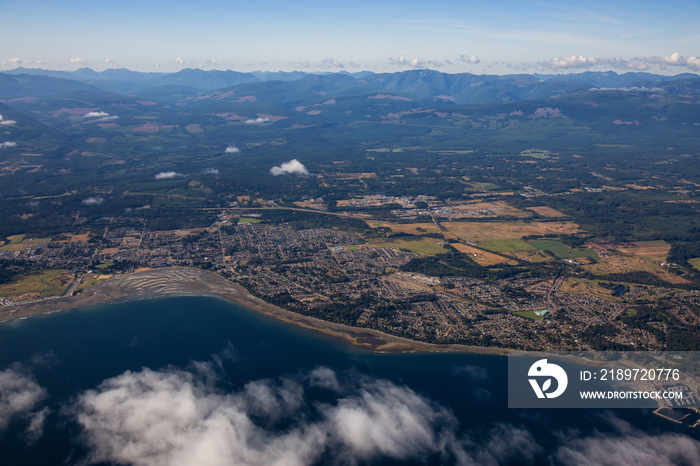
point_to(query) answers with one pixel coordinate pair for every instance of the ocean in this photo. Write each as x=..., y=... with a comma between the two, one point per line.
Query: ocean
x=196, y=380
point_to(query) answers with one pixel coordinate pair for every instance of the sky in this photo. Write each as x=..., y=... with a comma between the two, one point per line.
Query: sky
x=501, y=37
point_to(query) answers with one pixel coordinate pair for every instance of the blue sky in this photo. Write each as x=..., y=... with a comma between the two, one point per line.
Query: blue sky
x=508, y=36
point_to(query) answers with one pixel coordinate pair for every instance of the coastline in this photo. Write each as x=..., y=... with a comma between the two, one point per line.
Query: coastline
x=181, y=281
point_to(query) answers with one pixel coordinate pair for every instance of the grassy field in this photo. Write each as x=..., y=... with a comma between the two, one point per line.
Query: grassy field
x=408, y=228
x=414, y=244
x=481, y=257
x=546, y=211
x=695, y=262
x=559, y=249
x=38, y=285
x=653, y=250
x=617, y=262
x=488, y=231
x=249, y=220
x=530, y=315
x=506, y=245
x=19, y=242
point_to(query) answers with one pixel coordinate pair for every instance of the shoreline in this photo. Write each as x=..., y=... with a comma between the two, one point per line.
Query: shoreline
x=181, y=281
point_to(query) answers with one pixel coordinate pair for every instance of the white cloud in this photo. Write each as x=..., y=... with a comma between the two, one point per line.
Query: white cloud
x=6, y=122
x=95, y=115
x=93, y=201
x=301, y=63
x=179, y=60
x=19, y=396
x=473, y=59
x=79, y=61
x=293, y=166
x=232, y=150
x=168, y=175
x=170, y=417
x=16, y=61
x=331, y=63
x=636, y=448
x=210, y=63
x=5, y=145
x=108, y=61
x=633, y=64
x=210, y=171
x=413, y=63
x=257, y=121
x=109, y=118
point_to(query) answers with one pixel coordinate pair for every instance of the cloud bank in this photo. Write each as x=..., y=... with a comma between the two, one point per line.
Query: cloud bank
x=154, y=418
x=168, y=175
x=232, y=150
x=19, y=396
x=7, y=144
x=6, y=122
x=291, y=167
x=632, y=64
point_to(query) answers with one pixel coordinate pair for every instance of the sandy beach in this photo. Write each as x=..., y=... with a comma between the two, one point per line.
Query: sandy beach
x=178, y=281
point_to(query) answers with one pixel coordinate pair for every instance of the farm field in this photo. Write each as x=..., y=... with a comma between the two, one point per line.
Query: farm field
x=653, y=250
x=481, y=257
x=695, y=262
x=618, y=262
x=418, y=245
x=546, y=211
x=407, y=228
x=487, y=231
x=486, y=209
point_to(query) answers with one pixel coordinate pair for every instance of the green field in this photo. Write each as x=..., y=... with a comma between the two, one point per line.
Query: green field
x=559, y=249
x=413, y=244
x=46, y=283
x=695, y=262
x=249, y=220
x=506, y=245
x=530, y=315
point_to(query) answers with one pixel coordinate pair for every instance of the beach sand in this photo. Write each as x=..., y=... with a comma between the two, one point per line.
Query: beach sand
x=179, y=281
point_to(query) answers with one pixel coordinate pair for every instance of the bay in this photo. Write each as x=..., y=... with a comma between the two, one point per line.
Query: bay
x=227, y=349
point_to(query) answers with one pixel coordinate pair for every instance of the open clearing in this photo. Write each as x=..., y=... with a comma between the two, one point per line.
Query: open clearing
x=653, y=250
x=407, y=228
x=546, y=211
x=486, y=209
x=486, y=231
x=481, y=257
x=618, y=262
x=506, y=245
x=695, y=262
x=415, y=244
x=38, y=285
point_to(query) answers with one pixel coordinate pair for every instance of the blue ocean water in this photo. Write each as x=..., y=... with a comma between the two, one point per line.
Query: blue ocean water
x=322, y=400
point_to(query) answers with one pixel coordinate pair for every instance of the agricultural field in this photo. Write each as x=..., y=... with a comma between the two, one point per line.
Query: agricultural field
x=614, y=261
x=652, y=250
x=588, y=287
x=481, y=257
x=506, y=245
x=19, y=242
x=487, y=231
x=485, y=209
x=249, y=220
x=38, y=285
x=415, y=244
x=546, y=211
x=407, y=228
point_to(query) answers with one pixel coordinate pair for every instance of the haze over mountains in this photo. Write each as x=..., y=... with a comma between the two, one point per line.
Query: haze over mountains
x=415, y=84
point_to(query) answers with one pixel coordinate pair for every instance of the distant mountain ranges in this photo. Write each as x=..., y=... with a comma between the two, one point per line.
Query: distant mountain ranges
x=417, y=85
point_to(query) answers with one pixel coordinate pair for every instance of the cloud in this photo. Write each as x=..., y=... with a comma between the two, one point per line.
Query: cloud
x=636, y=448
x=5, y=145
x=95, y=115
x=257, y=121
x=403, y=61
x=19, y=396
x=79, y=61
x=16, y=61
x=108, y=61
x=232, y=150
x=210, y=171
x=293, y=166
x=93, y=201
x=168, y=175
x=301, y=63
x=172, y=417
x=210, y=63
x=633, y=64
x=6, y=122
x=179, y=60
x=331, y=63
x=473, y=59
